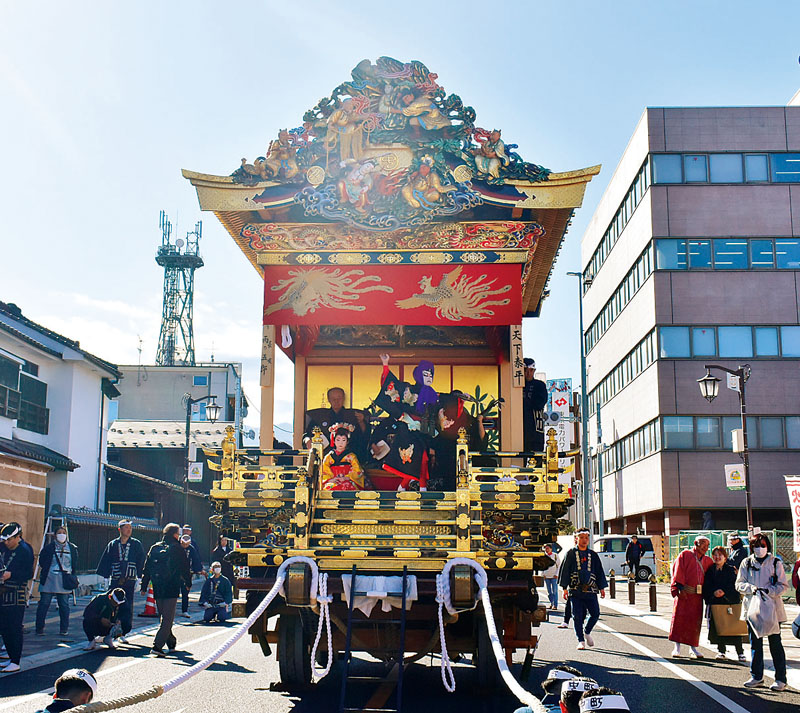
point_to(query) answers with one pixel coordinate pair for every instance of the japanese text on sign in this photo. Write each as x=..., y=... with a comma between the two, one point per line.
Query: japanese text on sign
x=515, y=351
x=267, y=354
x=793, y=486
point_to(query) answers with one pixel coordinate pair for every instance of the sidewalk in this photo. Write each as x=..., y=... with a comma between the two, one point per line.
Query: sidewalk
x=41, y=650
x=662, y=616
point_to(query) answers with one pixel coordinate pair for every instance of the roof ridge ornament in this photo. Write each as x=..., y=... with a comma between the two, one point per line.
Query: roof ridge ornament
x=388, y=149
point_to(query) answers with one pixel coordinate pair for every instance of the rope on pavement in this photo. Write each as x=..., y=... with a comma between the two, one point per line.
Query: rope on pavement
x=160, y=689
x=443, y=598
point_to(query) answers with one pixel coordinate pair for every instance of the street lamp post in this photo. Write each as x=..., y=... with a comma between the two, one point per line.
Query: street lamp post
x=709, y=388
x=587, y=514
x=212, y=412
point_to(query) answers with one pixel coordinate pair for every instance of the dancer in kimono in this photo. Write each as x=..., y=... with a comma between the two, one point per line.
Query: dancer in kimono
x=411, y=403
x=688, y=572
x=340, y=467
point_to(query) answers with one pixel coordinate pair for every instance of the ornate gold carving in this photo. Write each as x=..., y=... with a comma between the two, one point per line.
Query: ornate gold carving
x=408, y=553
x=473, y=257
x=277, y=559
x=388, y=161
x=408, y=495
x=301, y=519
x=315, y=175
x=384, y=529
x=368, y=495
x=507, y=497
x=462, y=173
x=462, y=521
x=390, y=258
x=349, y=258
x=308, y=258
x=270, y=503
x=431, y=258
x=500, y=563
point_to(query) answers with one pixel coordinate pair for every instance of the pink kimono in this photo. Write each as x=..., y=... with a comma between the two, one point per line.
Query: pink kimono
x=687, y=609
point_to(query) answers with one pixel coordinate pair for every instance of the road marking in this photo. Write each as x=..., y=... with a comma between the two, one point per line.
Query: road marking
x=678, y=671
x=103, y=672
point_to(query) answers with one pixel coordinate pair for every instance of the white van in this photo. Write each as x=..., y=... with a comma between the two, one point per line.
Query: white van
x=611, y=549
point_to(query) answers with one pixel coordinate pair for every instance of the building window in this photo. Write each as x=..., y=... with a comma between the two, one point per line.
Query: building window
x=771, y=432
x=729, y=425
x=200, y=381
x=33, y=412
x=703, y=341
x=790, y=341
x=793, y=431
x=671, y=254
x=678, y=432
x=787, y=252
x=9, y=373
x=707, y=432
x=694, y=168
x=674, y=342
x=730, y=254
x=756, y=167
x=786, y=167
x=726, y=167
x=761, y=254
x=667, y=168
x=700, y=254
x=766, y=341
x=735, y=341
x=30, y=368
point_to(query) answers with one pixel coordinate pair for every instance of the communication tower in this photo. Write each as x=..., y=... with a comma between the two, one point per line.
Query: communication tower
x=179, y=260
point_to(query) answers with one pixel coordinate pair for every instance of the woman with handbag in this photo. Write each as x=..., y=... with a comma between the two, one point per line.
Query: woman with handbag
x=762, y=580
x=723, y=605
x=57, y=561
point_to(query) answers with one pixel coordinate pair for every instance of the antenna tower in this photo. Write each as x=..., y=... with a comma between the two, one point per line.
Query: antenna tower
x=179, y=259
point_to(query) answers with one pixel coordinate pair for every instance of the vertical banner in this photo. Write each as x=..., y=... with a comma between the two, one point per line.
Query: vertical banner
x=559, y=393
x=267, y=354
x=734, y=477
x=515, y=352
x=793, y=486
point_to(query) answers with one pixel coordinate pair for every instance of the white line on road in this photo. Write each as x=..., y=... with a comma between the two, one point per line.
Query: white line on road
x=105, y=672
x=678, y=671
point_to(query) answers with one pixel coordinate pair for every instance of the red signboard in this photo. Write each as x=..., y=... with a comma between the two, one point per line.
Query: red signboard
x=409, y=294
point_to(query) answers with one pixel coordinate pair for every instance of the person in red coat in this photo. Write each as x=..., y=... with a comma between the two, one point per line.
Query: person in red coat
x=688, y=572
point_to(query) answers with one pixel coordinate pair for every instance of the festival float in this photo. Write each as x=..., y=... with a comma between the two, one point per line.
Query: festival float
x=400, y=245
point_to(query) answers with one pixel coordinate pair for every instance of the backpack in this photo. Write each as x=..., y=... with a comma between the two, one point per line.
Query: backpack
x=158, y=564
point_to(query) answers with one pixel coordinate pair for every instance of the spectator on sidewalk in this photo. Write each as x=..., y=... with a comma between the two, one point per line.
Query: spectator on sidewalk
x=582, y=577
x=58, y=557
x=762, y=577
x=688, y=572
x=122, y=563
x=633, y=555
x=738, y=550
x=216, y=596
x=100, y=616
x=604, y=699
x=796, y=580
x=719, y=587
x=551, y=576
x=16, y=569
x=195, y=566
x=167, y=566
x=74, y=688
x=221, y=551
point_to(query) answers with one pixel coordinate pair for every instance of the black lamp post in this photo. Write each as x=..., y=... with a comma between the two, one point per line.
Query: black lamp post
x=709, y=388
x=212, y=413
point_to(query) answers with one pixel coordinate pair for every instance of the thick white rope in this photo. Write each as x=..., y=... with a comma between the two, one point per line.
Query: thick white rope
x=242, y=629
x=443, y=597
x=324, y=600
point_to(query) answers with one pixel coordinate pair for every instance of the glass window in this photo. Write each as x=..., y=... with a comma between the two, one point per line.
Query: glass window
x=667, y=168
x=786, y=167
x=752, y=431
x=755, y=167
x=735, y=341
x=678, y=432
x=771, y=433
x=729, y=423
x=761, y=255
x=793, y=431
x=707, y=432
x=726, y=167
x=674, y=342
x=694, y=167
x=33, y=390
x=699, y=254
x=787, y=252
x=730, y=254
x=9, y=373
x=703, y=342
x=766, y=341
x=790, y=341
x=200, y=381
x=671, y=254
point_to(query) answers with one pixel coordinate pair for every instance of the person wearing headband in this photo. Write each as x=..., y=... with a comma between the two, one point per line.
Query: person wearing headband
x=688, y=571
x=73, y=688
x=121, y=564
x=16, y=569
x=216, y=596
x=100, y=616
x=555, y=678
x=603, y=699
x=572, y=690
x=57, y=558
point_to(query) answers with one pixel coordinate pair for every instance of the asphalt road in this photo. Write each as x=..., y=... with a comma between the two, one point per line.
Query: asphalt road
x=626, y=657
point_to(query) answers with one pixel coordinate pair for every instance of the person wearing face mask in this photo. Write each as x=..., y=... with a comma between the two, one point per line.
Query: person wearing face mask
x=216, y=596
x=58, y=557
x=16, y=569
x=762, y=576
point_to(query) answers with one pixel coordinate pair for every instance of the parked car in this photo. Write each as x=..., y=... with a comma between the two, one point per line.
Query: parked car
x=611, y=549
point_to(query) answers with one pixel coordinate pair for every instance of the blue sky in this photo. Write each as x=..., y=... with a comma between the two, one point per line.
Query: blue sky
x=104, y=103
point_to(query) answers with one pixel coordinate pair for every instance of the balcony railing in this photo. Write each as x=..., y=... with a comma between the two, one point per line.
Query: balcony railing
x=33, y=417
x=9, y=402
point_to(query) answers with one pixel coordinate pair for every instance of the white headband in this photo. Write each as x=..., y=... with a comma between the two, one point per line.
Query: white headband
x=84, y=676
x=577, y=684
x=12, y=533
x=114, y=597
x=558, y=674
x=608, y=702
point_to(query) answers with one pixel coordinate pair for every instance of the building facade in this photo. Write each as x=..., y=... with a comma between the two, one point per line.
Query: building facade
x=54, y=405
x=693, y=257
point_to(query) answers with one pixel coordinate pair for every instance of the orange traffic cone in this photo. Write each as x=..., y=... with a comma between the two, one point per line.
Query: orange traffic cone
x=150, y=604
